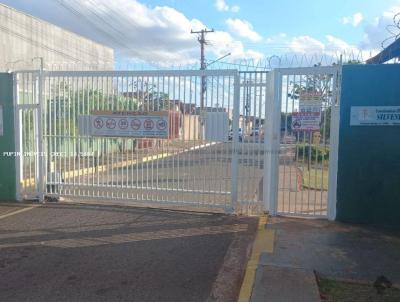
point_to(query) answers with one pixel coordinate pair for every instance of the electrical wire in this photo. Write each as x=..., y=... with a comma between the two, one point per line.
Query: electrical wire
x=42, y=45
x=81, y=16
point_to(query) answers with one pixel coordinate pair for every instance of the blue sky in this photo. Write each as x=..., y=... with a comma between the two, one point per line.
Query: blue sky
x=312, y=17
x=315, y=18
x=157, y=31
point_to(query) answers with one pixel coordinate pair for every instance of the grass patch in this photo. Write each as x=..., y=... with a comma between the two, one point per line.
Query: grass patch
x=315, y=178
x=314, y=153
x=338, y=291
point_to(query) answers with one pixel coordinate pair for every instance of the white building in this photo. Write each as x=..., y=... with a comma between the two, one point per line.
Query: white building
x=24, y=38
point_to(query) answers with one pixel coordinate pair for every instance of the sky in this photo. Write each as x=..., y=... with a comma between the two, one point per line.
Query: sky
x=158, y=31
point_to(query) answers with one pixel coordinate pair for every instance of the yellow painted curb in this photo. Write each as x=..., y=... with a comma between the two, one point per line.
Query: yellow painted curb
x=264, y=242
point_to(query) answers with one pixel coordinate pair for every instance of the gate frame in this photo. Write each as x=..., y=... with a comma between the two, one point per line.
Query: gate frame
x=272, y=115
x=273, y=100
x=37, y=106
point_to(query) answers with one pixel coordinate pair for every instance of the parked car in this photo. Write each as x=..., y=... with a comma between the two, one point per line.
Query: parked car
x=255, y=132
x=230, y=136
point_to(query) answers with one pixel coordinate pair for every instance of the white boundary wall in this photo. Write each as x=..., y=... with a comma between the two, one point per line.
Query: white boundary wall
x=24, y=38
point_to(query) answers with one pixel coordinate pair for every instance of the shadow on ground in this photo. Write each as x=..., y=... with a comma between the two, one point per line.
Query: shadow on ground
x=337, y=250
x=67, y=252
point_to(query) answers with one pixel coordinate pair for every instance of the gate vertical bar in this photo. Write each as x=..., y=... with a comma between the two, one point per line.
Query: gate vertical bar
x=235, y=142
x=39, y=117
x=18, y=138
x=272, y=141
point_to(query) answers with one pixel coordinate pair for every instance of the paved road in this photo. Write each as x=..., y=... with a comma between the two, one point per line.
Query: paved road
x=68, y=252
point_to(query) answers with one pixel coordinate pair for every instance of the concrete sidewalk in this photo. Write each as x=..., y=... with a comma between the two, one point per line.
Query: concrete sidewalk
x=333, y=250
x=68, y=252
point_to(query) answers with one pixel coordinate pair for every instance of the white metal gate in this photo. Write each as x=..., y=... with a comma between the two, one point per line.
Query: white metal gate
x=28, y=138
x=231, y=145
x=198, y=165
x=302, y=131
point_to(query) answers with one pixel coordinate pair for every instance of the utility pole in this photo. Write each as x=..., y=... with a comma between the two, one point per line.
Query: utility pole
x=248, y=104
x=202, y=40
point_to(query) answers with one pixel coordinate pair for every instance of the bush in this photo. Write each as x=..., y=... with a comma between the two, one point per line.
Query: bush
x=318, y=153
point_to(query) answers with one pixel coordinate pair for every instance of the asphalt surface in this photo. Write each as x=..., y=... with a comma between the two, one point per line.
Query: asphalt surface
x=69, y=252
x=201, y=177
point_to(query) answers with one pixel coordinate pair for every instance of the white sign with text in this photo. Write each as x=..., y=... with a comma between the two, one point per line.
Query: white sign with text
x=308, y=118
x=126, y=124
x=375, y=116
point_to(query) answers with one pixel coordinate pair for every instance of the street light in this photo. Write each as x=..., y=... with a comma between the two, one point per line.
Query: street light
x=219, y=59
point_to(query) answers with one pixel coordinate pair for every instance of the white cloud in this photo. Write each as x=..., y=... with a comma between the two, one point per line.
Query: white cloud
x=243, y=29
x=137, y=32
x=312, y=50
x=354, y=19
x=223, y=43
x=336, y=45
x=391, y=12
x=159, y=35
x=306, y=44
x=235, y=9
x=222, y=6
x=376, y=32
x=357, y=19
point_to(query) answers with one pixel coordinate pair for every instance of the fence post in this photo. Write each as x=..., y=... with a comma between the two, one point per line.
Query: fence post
x=272, y=141
x=334, y=146
x=18, y=138
x=40, y=141
x=235, y=142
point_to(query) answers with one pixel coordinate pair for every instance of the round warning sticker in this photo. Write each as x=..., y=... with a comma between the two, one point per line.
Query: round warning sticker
x=161, y=124
x=98, y=123
x=135, y=124
x=148, y=124
x=111, y=123
x=123, y=123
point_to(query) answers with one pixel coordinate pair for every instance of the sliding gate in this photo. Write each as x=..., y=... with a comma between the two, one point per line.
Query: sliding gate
x=209, y=158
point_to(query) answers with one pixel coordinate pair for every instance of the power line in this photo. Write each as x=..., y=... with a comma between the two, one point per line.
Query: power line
x=95, y=11
x=77, y=13
x=31, y=30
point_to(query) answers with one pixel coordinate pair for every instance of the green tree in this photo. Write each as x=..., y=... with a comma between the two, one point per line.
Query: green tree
x=63, y=107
